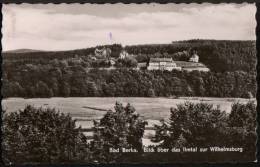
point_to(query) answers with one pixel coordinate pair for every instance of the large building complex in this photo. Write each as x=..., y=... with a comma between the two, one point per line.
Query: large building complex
x=162, y=64
x=169, y=65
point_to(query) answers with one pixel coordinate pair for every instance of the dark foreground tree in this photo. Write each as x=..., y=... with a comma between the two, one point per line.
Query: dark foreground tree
x=38, y=135
x=242, y=120
x=203, y=126
x=122, y=129
x=192, y=125
x=243, y=115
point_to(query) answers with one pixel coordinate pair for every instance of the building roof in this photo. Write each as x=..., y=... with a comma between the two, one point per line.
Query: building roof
x=141, y=65
x=185, y=64
x=156, y=60
x=194, y=55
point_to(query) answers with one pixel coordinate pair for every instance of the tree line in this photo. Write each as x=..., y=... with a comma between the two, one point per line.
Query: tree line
x=76, y=81
x=44, y=135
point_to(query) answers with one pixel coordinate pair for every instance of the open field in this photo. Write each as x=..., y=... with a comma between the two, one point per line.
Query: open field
x=86, y=109
x=90, y=108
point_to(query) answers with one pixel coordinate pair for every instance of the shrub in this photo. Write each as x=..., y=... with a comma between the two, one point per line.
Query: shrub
x=38, y=135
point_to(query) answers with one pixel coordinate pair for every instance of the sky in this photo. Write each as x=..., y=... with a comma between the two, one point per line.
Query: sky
x=75, y=26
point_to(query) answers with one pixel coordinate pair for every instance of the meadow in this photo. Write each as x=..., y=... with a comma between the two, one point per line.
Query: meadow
x=87, y=109
x=93, y=108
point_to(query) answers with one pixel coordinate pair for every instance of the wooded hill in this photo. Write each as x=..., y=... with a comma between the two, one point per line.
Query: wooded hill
x=62, y=74
x=219, y=56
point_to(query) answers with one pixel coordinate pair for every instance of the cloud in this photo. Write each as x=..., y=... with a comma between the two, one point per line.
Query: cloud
x=42, y=28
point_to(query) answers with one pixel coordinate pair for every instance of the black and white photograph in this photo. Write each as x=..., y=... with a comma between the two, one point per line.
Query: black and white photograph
x=128, y=83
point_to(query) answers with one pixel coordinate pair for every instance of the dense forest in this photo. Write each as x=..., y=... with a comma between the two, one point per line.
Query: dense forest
x=48, y=74
x=48, y=81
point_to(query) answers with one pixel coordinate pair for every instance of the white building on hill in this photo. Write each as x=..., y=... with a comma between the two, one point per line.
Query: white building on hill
x=192, y=66
x=162, y=64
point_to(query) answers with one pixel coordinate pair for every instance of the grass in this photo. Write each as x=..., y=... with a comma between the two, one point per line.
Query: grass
x=96, y=107
x=85, y=110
